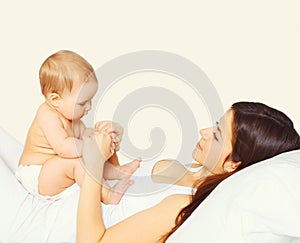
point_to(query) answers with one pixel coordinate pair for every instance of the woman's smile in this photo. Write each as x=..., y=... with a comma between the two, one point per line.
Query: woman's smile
x=198, y=146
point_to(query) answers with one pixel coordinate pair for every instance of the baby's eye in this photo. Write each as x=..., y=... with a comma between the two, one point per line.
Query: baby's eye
x=81, y=104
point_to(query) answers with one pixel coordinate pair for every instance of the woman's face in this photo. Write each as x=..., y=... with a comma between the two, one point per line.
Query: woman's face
x=215, y=146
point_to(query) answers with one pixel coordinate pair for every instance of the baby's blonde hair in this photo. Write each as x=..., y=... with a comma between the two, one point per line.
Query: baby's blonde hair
x=62, y=70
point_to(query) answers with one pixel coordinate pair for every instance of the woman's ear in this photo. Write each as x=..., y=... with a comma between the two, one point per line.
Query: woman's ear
x=230, y=166
x=54, y=99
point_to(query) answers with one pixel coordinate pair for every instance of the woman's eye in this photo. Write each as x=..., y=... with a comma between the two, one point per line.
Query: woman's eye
x=215, y=136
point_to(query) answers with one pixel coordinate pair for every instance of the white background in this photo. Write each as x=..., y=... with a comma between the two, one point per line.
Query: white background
x=250, y=50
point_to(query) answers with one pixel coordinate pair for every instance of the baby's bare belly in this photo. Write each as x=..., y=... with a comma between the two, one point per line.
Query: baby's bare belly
x=36, y=157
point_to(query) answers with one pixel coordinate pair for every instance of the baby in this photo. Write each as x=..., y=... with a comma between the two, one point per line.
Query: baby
x=51, y=160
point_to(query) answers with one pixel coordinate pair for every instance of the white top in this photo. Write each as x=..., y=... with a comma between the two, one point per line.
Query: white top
x=140, y=196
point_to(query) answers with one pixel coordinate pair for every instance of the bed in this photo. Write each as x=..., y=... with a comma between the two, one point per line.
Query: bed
x=259, y=204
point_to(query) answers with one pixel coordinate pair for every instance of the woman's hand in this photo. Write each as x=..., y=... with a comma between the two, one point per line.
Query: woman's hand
x=114, y=129
x=97, y=148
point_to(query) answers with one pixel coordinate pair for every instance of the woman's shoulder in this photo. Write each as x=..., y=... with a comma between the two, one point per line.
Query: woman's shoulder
x=166, y=164
x=173, y=172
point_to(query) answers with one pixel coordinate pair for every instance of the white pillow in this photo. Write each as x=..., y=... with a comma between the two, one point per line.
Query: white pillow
x=259, y=204
x=10, y=149
x=12, y=196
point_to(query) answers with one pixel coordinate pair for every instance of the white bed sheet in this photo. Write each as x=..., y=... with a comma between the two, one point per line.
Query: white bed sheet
x=25, y=218
x=260, y=204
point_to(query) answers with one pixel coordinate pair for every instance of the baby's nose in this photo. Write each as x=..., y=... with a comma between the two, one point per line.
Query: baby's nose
x=88, y=106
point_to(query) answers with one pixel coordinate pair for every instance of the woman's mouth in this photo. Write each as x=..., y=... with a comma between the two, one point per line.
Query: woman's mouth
x=199, y=146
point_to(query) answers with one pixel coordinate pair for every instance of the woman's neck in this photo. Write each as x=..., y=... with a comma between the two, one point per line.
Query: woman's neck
x=172, y=172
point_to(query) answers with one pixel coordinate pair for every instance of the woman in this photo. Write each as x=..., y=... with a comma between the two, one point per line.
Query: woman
x=246, y=134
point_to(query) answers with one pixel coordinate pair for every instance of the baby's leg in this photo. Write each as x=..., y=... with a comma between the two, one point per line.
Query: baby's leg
x=112, y=172
x=58, y=173
x=113, y=195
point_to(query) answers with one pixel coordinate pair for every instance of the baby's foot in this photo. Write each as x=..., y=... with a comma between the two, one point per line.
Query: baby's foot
x=118, y=172
x=129, y=168
x=114, y=194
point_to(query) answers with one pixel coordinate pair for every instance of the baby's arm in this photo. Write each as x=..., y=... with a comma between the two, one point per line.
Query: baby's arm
x=85, y=131
x=64, y=145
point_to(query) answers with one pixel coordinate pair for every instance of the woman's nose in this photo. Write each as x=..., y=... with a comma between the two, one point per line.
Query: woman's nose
x=205, y=132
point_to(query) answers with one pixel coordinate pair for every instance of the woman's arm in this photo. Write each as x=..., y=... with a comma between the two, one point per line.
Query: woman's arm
x=90, y=227
x=146, y=226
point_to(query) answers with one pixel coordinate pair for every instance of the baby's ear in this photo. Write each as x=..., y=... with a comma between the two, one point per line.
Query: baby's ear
x=54, y=99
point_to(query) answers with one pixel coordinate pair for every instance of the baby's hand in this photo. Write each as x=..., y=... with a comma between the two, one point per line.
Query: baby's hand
x=109, y=127
x=99, y=142
x=113, y=129
x=88, y=132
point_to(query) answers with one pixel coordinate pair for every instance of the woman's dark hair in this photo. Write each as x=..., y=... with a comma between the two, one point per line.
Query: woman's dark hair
x=259, y=132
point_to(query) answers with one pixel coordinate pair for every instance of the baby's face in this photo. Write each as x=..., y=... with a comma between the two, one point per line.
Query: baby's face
x=75, y=105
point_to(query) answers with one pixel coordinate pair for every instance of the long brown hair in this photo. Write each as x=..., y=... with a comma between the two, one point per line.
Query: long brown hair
x=259, y=132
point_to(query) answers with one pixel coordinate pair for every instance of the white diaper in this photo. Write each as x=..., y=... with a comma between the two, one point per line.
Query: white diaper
x=28, y=176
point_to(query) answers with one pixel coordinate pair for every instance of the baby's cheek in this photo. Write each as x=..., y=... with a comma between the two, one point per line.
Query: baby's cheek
x=78, y=113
